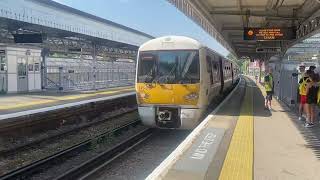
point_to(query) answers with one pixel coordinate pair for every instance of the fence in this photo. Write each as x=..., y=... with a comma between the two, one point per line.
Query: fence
x=286, y=81
x=76, y=74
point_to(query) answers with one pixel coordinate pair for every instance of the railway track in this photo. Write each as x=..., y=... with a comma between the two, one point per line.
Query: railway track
x=38, y=167
x=15, y=149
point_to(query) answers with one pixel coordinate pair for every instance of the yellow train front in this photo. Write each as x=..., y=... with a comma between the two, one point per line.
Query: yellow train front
x=176, y=79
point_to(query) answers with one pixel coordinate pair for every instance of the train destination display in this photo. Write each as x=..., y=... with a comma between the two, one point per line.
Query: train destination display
x=268, y=34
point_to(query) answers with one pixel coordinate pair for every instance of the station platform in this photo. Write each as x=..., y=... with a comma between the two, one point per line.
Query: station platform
x=241, y=140
x=13, y=103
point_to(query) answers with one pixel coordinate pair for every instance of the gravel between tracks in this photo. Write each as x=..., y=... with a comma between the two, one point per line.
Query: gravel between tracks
x=96, y=149
x=43, y=150
x=10, y=142
x=141, y=160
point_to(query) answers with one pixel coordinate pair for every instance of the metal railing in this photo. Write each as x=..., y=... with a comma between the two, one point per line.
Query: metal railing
x=76, y=74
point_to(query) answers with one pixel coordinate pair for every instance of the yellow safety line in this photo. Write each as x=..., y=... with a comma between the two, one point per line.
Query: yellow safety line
x=61, y=98
x=238, y=164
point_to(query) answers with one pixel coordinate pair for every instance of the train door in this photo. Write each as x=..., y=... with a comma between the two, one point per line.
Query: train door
x=210, y=79
x=209, y=69
x=232, y=75
x=3, y=72
x=34, y=75
x=215, y=71
x=221, y=66
x=22, y=74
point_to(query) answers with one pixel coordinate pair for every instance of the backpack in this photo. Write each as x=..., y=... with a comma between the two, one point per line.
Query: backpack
x=266, y=79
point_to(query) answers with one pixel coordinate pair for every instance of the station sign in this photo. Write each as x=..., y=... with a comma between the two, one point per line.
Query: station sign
x=269, y=34
x=75, y=49
x=268, y=50
x=27, y=38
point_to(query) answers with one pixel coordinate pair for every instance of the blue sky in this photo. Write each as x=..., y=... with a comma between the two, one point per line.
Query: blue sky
x=154, y=17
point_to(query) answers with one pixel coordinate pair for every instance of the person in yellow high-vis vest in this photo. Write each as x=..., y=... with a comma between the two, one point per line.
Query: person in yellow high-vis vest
x=303, y=92
x=301, y=77
x=268, y=85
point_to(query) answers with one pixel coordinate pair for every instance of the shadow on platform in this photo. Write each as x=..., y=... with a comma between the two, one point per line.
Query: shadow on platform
x=311, y=135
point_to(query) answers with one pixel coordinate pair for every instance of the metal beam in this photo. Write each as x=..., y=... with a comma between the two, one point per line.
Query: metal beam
x=243, y=42
x=231, y=28
x=256, y=14
x=245, y=45
x=235, y=35
x=316, y=48
x=192, y=9
x=252, y=7
x=246, y=50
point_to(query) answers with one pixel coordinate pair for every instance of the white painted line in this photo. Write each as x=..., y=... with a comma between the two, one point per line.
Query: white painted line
x=51, y=108
x=163, y=168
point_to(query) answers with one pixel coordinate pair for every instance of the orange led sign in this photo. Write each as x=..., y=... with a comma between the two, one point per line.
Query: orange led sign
x=268, y=34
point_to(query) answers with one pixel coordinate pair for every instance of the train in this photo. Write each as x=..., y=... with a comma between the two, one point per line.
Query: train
x=176, y=79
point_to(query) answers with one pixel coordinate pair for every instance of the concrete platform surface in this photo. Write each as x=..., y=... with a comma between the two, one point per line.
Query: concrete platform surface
x=254, y=143
x=22, y=102
x=283, y=148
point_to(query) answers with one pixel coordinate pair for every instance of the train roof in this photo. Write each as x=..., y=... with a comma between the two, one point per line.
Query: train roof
x=170, y=43
x=175, y=42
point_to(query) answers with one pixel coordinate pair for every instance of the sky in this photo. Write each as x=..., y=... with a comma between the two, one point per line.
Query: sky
x=154, y=17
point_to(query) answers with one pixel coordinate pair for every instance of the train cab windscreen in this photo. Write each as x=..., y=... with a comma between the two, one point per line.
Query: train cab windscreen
x=169, y=67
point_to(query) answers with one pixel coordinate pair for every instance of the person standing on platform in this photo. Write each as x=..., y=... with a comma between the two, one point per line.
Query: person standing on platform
x=268, y=85
x=303, y=91
x=311, y=91
x=301, y=77
x=312, y=68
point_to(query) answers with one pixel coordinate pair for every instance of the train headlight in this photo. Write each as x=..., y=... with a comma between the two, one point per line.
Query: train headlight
x=144, y=95
x=191, y=97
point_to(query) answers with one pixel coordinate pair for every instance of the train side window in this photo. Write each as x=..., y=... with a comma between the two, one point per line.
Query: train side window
x=209, y=68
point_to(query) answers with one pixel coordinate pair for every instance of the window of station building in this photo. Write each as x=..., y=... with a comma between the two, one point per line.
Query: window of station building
x=3, y=67
x=3, y=63
x=36, y=67
x=30, y=67
x=22, y=68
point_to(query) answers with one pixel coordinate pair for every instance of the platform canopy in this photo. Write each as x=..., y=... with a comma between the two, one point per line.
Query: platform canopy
x=66, y=30
x=226, y=20
x=305, y=50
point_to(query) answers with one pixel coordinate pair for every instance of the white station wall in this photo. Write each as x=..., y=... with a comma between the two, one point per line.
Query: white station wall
x=33, y=59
